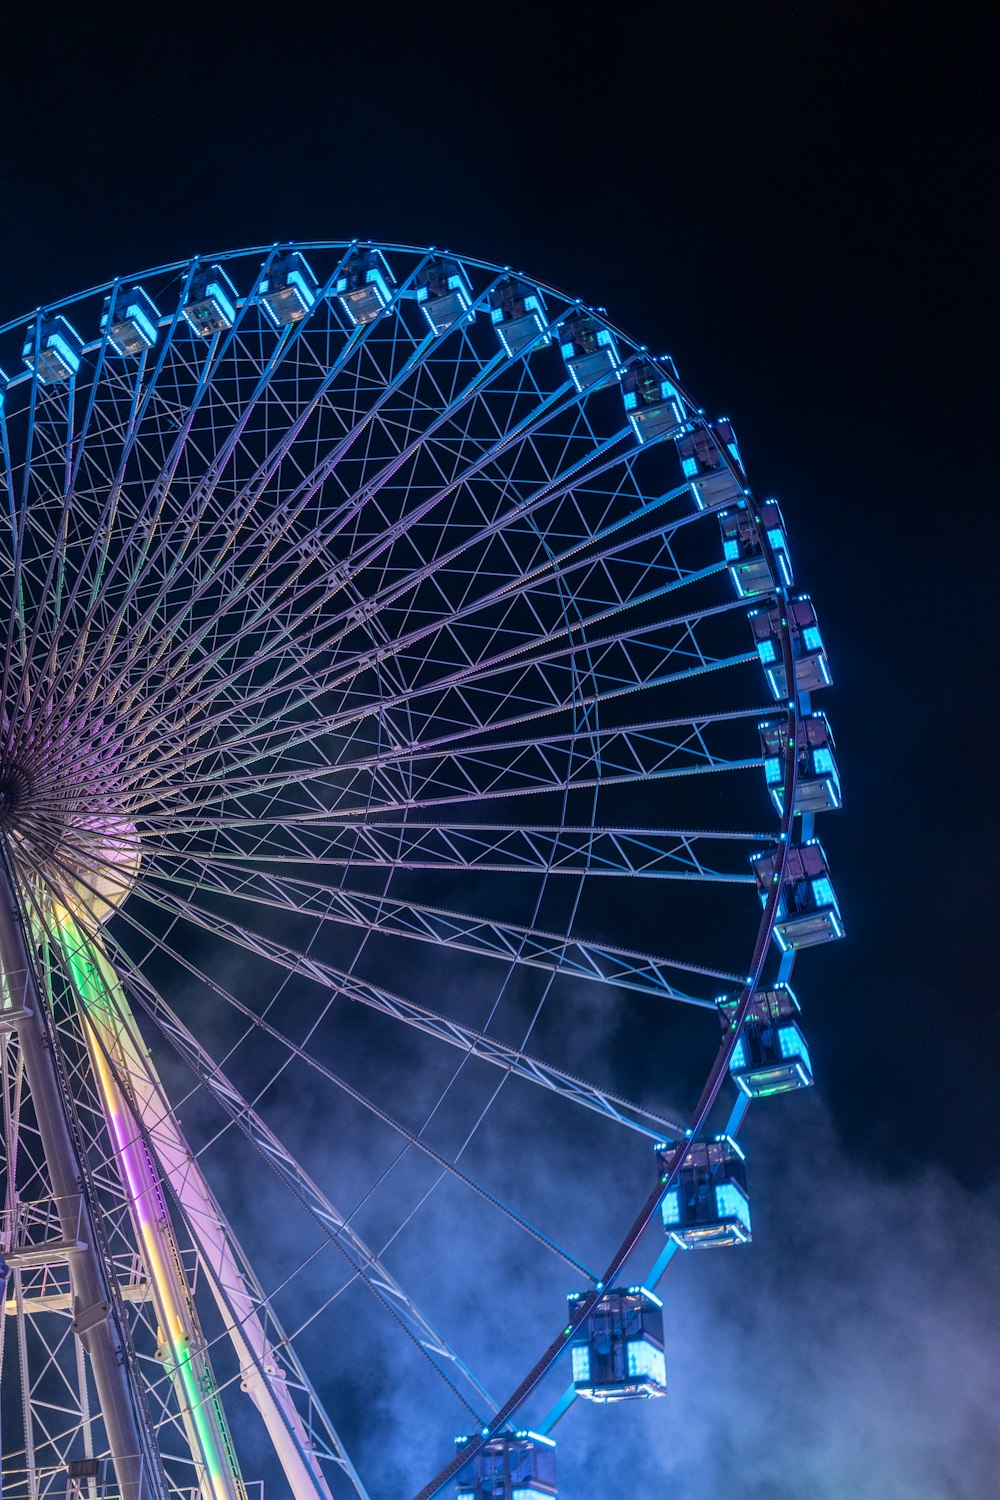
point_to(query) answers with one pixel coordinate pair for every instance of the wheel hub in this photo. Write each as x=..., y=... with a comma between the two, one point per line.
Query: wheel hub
x=61, y=823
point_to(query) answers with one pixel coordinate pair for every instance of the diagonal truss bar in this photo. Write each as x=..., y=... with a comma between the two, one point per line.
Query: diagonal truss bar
x=477, y=757
x=477, y=1044
x=364, y=1262
x=641, y=853
x=554, y=952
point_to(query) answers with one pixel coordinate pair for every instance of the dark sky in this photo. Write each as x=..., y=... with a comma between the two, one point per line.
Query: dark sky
x=794, y=200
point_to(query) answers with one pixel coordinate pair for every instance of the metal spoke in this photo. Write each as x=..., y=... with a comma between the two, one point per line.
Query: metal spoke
x=476, y=1044
x=507, y=941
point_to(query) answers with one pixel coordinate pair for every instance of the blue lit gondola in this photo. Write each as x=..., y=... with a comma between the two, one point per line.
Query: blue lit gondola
x=704, y=455
x=589, y=350
x=652, y=401
x=365, y=286
x=817, y=784
x=131, y=319
x=770, y=1056
x=514, y=1466
x=211, y=304
x=812, y=670
x=517, y=312
x=443, y=292
x=749, y=566
x=289, y=290
x=707, y=1205
x=617, y=1353
x=808, y=910
x=54, y=351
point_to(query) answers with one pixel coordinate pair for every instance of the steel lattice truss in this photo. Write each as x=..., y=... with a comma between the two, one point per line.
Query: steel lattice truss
x=365, y=672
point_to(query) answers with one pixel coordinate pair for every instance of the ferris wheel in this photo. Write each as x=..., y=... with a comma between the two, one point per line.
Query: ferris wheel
x=407, y=761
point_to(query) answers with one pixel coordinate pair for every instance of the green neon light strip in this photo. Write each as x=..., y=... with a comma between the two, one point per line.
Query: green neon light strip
x=105, y=1010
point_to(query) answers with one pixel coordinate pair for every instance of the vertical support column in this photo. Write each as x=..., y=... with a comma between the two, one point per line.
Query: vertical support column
x=184, y=1348
x=113, y=1038
x=93, y=1320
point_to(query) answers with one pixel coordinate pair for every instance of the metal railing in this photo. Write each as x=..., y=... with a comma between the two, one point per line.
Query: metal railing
x=89, y=1479
x=42, y=1232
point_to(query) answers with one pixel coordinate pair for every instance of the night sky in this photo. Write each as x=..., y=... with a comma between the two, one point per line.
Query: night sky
x=793, y=200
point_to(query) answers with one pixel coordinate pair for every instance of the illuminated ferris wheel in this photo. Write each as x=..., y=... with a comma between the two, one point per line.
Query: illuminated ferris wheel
x=402, y=693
